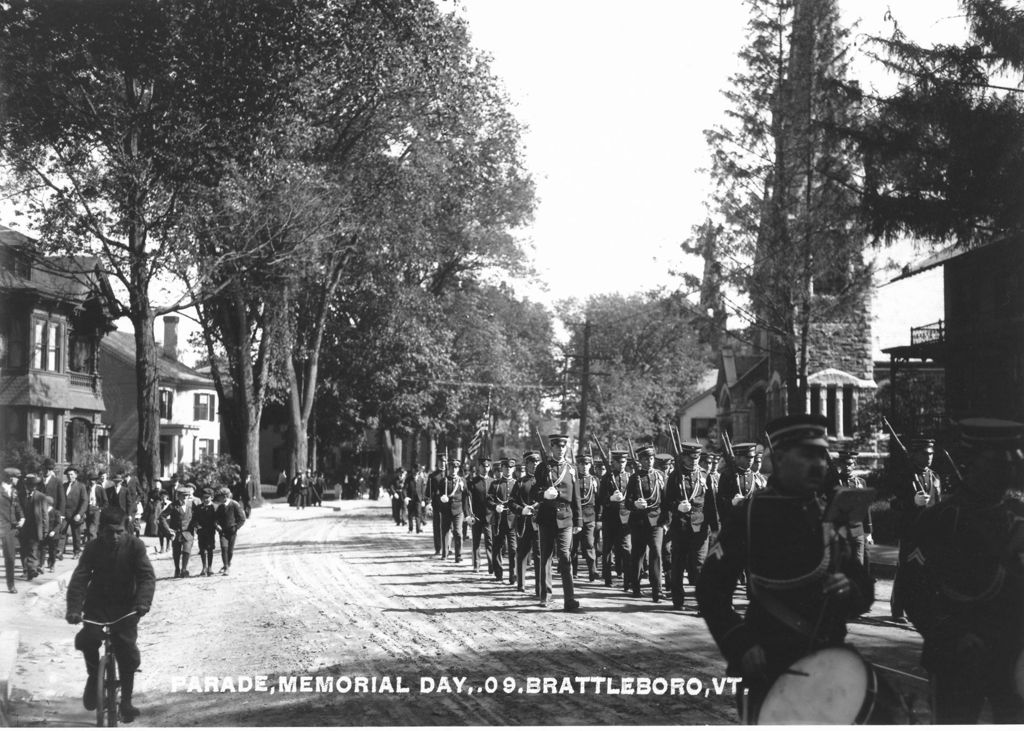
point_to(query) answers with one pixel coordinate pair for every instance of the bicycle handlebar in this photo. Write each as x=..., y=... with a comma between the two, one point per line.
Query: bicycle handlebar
x=110, y=623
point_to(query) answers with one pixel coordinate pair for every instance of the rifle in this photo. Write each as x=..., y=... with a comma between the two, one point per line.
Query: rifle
x=956, y=470
x=604, y=454
x=918, y=487
x=677, y=440
x=727, y=452
x=632, y=452
x=543, y=451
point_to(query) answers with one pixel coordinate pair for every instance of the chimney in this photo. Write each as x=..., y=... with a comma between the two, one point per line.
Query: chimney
x=171, y=336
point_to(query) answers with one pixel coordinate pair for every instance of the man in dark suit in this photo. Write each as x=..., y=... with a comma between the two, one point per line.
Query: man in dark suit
x=503, y=521
x=11, y=519
x=97, y=497
x=52, y=485
x=76, y=507
x=37, y=506
x=230, y=517
x=120, y=495
x=559, y=517
x=177, y=519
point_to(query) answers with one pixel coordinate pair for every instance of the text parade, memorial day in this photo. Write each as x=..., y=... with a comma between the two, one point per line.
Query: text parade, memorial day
x=491, y=685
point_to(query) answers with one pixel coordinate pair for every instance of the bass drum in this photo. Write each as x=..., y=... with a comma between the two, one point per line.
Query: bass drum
x=831, y=686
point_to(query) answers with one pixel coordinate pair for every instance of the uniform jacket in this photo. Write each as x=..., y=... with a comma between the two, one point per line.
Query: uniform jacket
x=478, y=489
x=522, y=495
x=904, y=484
x=966, y=574
x=435, y=486
x=10, y=511
x=693, y=487
x=77, y=500
x=564, y=510
x=731, y=484
x=500, y=492
x=779, y=541
x=111, y=581
x=54, y=489
x=607, y=509
x=230, y=517
x=651, y=487
x=587, y=485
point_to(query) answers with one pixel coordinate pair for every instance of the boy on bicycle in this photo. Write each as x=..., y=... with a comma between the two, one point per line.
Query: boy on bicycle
x=113, y=578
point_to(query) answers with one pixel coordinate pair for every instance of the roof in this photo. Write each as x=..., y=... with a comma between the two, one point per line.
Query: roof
x=122, y=345
x=705, y=386
x=63, y=278
x=943, y=257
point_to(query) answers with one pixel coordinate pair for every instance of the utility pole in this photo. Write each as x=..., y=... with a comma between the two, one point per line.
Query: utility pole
x=585, y=384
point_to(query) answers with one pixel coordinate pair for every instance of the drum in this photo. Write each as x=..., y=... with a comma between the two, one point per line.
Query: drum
x=831, y=686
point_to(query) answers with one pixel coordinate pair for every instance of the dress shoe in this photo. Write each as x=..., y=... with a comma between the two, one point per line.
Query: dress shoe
x=572, y=606
x=592, y=577
x=177, y=574
x=458, y=559
x=543, y=602
x=656, y=598
x=636, y=593
x=89, y=694
x=127, y=712
x=76, y=554
x=677, y=606
x=226, y=572
x=185, y=574
x=12, y=590
x=607, y=582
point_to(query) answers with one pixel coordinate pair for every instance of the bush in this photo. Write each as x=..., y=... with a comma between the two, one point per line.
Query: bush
x=97, y=461
x=213, y=472
x=23, y=456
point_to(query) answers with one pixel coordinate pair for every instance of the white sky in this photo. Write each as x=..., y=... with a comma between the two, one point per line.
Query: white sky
x=616, y=97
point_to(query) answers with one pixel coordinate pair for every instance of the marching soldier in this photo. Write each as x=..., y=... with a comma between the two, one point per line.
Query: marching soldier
x=558, y=519
x=435, y=488
x=644, y=494
x=600, y=469
x=844, y=478
x=798, y=600
x=760, y=481
x=686, y=513
x=480, y=514
x=503, y=526
x=588, y=517
x=914, y=486
x=665, y=463
x=965, y=582
x=615, y=539
x=737, y=482
x=695, y=561
x=523, y=504
x=454, y=502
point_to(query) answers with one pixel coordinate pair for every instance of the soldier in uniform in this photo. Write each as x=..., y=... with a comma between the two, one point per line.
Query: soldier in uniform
x=503, y=529
x=479, y=516
x=801, y=592
x=843, y=477
x=965, y=582
x=435, y=488
x=559, y=518
x=665, y=463
x=599, y=469
x=738, y=481
x=615, y=540
x=523, y=504
x=584, y=540
x=914, y=486
x=685, y=512
x=415, y=492
x=760, y=481
x=644, y=495
x=709, y=462
x=454, y=502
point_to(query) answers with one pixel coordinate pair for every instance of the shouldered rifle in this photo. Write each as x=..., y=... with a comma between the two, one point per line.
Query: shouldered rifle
x=918, y=486
x=677, y=441
x=727, y=452
x=543, y=451
x=604, y=454
x=632, y=452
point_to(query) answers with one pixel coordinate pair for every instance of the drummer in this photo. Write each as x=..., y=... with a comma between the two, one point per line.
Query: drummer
x=965, y=581
x=801, y=593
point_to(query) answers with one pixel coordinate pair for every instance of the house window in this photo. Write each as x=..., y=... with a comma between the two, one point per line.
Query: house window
x=203, y=410
x=15, y=350
x=45, y=345
x=81, y=353
x=44, y=434
x=166, y=403
x=701, y=428
x=849, y=417
x=205, y=448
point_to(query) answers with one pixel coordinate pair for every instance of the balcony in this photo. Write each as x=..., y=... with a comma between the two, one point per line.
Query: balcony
x=933, y=333
x=84, y=380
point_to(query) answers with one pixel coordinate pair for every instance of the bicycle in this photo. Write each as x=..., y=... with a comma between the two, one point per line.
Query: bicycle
x=108, y=684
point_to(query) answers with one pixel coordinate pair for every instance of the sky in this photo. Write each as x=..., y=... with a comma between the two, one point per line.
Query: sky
x=616, y=98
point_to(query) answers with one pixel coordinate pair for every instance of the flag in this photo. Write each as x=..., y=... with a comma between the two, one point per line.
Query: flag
x=478, y=439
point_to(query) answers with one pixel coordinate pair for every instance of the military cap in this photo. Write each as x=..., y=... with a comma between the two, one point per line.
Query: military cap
x=744, y=449
x=483, y=460
x=619, y=454
x=584, y=458
x=661, y=461
x=848, y=455
x=70, y=468
x=691, y=448
x=11, y=472
x=922, y=444
x=506, y=462
x=455, y=462
x=48, y=464
x=713, y=456
x=799, y=429
x=531, y=455
x=645, y=450
x=997, y=434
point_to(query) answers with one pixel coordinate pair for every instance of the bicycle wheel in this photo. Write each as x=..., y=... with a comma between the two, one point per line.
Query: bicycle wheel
x=113, y=686
x=101, y=687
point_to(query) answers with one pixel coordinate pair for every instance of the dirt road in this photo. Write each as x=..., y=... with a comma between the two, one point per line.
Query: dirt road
x=345, y=594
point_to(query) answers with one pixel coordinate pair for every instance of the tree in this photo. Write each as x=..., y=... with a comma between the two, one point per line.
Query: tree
x=943, y=154
x=785, y=215
x=114, y=112
x=646, y=362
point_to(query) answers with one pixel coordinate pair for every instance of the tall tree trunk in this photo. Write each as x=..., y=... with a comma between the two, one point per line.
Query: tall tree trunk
x=148, y=391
